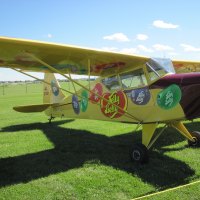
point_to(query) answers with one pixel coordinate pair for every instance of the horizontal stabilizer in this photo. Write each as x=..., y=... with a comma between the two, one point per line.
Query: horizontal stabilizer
x=32, y=108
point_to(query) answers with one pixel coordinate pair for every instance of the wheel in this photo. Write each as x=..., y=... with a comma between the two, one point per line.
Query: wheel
x=139, y=153
x=196, y=136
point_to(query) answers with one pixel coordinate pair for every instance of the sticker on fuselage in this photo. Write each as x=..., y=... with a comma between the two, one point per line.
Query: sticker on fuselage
x=96, y=93
x=114, y=105
x=169, y=97
x=54, y=88
x=140, y=96
x=75, y=104
x=84, y=100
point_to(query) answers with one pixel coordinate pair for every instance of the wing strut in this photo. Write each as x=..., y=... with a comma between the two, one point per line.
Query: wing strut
x=20, y=71
x=72, y=83
x=82, y=86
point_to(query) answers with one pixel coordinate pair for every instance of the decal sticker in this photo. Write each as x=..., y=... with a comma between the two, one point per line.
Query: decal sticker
x=109, y=109
x=99, y=68
x=25, y=59
x=98, y=89
x=75, y=104
x=54, y=88
x=169, y=97
x=84, y=100
x=140, y=96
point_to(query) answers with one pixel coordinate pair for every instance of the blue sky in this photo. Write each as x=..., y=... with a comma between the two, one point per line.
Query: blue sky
x=153, y=28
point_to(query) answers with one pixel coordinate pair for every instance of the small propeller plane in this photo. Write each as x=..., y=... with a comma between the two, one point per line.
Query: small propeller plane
x=129, y=88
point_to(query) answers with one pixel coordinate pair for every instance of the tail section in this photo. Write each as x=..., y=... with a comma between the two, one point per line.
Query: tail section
x=52, y=93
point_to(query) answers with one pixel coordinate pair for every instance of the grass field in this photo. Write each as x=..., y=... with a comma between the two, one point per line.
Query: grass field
x=82, y=159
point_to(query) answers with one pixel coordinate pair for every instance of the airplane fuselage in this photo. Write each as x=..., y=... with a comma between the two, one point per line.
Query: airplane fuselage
x=172, y=97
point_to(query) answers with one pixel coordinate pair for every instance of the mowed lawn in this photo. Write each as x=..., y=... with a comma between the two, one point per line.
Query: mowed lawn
x=85, y=159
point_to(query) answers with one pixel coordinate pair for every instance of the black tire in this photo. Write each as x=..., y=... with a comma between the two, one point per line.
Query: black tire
x=196, y=136
x=139, y=153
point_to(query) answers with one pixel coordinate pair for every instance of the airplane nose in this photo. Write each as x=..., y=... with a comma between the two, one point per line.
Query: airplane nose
x=190, y=101
x=179, y=79
x=190, y=79
x=189, y=83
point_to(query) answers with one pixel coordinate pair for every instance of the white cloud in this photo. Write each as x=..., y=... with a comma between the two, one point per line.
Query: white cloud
x=161, y=47
x=119, y=37
x=145, y=49
x=165, y=25
x=142, y=37
x=189, y=48
x=49, y=35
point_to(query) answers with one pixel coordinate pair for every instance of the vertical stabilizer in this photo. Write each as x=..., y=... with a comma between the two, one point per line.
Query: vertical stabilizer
x=52, y=93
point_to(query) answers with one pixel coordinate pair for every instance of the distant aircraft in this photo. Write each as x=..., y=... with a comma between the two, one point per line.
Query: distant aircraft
x=135, y=89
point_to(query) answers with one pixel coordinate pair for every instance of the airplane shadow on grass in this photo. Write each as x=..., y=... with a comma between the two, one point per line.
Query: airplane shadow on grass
x=73, y=148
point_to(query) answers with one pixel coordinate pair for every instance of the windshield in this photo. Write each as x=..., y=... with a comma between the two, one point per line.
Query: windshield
x=158, y=67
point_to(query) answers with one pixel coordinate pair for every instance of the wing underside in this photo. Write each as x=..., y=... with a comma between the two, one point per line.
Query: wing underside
x=15, y=53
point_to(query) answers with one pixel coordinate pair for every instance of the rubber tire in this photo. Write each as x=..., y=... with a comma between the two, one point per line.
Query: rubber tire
x=139, y=153
x=196, y=136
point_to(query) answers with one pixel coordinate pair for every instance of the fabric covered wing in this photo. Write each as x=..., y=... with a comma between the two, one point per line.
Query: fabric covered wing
x=186, y=66
x=15, y=53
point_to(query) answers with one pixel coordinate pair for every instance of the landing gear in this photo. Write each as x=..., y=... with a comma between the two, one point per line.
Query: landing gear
x=139, y=153
x=196, y=137
x=50, y=119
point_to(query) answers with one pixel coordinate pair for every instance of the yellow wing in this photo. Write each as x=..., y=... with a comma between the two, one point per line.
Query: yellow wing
x=181, y=66
x=76, y=60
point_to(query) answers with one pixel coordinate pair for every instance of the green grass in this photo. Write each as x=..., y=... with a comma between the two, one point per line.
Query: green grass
x=82, y=159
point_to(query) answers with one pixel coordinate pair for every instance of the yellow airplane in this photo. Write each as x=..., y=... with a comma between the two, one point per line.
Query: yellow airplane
x=135, y=89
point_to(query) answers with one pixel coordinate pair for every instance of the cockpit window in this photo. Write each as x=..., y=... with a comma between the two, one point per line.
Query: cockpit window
x=133, y=79
x=158, y=67
x=112, y=83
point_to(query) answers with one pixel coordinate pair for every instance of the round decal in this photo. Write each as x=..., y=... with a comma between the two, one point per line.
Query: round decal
x=54, y=88
x=108, y=107
x=96, y=92
x=75, y=104
x=169, y=97
x=84, y=100
x=140, y=96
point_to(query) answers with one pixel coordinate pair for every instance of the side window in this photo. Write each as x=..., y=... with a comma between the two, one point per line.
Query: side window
x=133, y=79
x=152, y=74
x=112, y=83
